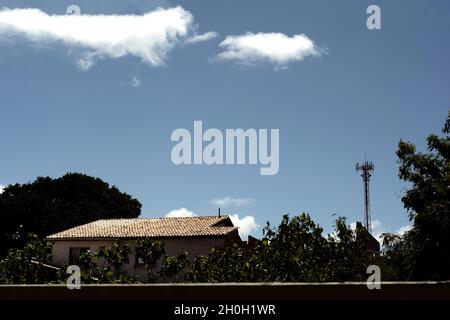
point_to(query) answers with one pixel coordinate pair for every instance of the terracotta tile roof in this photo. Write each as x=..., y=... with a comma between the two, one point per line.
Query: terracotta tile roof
x=150, y=227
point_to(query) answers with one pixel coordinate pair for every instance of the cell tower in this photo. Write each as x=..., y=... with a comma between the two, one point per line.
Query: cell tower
x=366, y=168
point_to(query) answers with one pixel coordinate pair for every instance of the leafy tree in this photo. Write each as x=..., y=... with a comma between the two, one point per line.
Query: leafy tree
x=298, y=250
x=150, y=251
x=91, y=273
x=294, y=251
x=114, y=258
x=90, y=270
x=104, y=266
x=228, y=264
x=173, y=267
x=47, y=205
x=349, y=255
x=26, y=265
x=395, y=265
x=428, y=203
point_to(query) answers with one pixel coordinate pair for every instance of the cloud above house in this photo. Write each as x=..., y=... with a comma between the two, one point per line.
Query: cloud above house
x=150, y=36
x=178, y=213
x=275, y=48
x=246, y=225
x=232, y=202
x=378, y=229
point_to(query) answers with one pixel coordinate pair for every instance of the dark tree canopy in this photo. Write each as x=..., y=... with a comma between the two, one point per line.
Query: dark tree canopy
x=427, y=245
x=47, y=205
x=296, y=251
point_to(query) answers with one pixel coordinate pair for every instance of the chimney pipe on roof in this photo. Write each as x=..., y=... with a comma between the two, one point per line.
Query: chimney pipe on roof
x=219, y=212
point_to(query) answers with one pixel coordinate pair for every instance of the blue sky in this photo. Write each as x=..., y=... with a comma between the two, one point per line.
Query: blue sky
x=363, y=93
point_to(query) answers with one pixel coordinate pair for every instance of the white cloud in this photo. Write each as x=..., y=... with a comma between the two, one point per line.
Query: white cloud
x=235, y=202
x=276, y=48
x=402, y=230
x=86, y=61
x=2, y=187
x=246, y=225
x=135, y=82
x=182, y=212
x=378, y=229
x=201, y=37
x=150, y=36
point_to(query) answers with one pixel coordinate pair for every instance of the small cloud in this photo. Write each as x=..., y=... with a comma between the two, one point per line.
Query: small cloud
x=246, y=225
x=378, y=229
x=86, y=61
x=2, y=188
x=150, y=36
x=182, y=212
x=275, y=48
x=232, y=202
x=135, y=82
x=402, y=230
x=201, y=37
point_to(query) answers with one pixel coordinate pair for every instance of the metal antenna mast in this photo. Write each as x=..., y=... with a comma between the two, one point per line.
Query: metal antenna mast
x=366, y=168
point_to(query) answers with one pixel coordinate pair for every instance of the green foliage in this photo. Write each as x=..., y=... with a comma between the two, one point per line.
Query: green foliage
x=173, y=267
x=115, y=256
x=150, y=251
x=427, y=247
x=348, y=253
x=228, y=264
x=297, y=250
x=294, y=251
x=104, y=266
x=90, y=271
x=395, y=265
x=26, y=265
x=48, y=205
x=109, y=264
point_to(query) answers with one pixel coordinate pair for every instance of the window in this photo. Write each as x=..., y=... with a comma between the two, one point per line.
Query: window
x=140, y=260
x=75, y=253
x=151, y=261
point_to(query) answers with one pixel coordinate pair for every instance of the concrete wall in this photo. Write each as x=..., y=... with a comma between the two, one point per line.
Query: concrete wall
x=194, y=247
x=237, y=291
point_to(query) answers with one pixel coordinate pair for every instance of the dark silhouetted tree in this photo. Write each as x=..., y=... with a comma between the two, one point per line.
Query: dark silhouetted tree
x=428, y=203
x=47, y=205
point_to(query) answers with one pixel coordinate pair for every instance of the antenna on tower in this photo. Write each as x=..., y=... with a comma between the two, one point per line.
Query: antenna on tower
x=366, y=167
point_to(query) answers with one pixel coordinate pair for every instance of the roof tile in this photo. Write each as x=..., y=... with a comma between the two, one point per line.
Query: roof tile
x=149, y=228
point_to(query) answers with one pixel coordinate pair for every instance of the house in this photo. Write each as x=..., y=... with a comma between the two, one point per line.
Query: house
x=196, y=235
x=370, y=242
